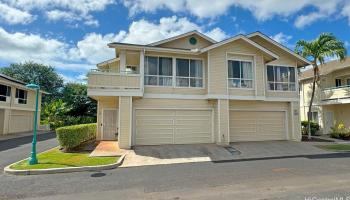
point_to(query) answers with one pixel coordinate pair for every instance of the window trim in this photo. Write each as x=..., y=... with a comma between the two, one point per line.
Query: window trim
x=163, y=76
x=282, y=65
x=7, y=91
x=174, y=72
x=189, y=77
x=26, y=97
x=253, y=74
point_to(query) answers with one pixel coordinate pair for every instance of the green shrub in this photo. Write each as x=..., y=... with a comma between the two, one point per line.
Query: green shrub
x=70, y=137
x=340, y=131
x=314, y=128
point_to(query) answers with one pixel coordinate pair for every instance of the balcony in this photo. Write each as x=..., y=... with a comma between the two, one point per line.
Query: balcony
x=110, y=83
x=336, y=95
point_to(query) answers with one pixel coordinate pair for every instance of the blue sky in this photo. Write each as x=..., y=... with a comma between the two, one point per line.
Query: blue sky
x=72, y=35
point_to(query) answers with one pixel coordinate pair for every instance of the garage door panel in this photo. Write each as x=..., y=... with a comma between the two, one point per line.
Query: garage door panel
x=257, y=126
x=179, y=127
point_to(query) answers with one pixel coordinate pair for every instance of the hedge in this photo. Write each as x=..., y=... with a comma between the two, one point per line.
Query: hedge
x=70, y=137
x=314, y=127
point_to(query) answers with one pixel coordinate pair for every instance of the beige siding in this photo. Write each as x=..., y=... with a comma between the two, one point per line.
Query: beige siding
x=218, y=67
x=125, y=122
x=223, y=121
x=175, y=126
x=183, y=43
x=104, y=103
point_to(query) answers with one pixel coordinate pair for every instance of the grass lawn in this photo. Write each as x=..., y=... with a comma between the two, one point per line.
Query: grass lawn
x=56, y=159
x=335, y=147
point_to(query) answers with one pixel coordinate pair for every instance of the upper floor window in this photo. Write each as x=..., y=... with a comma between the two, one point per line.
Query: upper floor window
x=337, y=82
x=5, y=91
x=240, y=74
x=158, y=71
x=281, y=78
x=21, y=95
x=189, y=73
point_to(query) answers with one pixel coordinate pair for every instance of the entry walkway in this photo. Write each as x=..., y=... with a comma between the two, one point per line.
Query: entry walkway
x=107, y=148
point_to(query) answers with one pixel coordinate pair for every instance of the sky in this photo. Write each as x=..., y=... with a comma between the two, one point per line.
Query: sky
x=72, y=35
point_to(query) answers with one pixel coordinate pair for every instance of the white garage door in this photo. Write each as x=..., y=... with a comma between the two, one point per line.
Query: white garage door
x=257, y=126
x=155, y=127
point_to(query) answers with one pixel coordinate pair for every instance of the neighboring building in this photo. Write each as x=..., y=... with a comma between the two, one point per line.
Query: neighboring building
x=191, y=89
x=332, y=96
x=17, y=105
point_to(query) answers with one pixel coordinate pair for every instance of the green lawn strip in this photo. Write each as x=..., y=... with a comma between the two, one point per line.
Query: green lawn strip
x=335, y=147
x=56, y=159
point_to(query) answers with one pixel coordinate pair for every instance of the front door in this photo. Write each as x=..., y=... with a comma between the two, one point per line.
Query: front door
x=329, y=122
x=109, y=124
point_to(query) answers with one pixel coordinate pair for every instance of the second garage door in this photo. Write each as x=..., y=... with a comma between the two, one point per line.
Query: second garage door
x=257, y=126
x=162, y=126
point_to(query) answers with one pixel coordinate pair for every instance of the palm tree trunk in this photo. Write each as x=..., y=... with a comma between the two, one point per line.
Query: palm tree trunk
x=312, y=99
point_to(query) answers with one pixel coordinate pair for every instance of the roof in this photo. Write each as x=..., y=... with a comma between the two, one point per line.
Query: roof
x=183, y=35
x=18, y=82
x=327, y=68
x=247, y=38
x=289, y=51
x=243, y=38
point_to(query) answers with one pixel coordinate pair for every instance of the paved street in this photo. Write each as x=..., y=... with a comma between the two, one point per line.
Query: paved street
x=323, y=176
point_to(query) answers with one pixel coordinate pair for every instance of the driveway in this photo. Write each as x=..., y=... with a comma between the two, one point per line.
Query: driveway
x=171, y=154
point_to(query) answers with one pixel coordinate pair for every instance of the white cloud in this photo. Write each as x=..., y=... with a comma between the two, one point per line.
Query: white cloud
x=92, y=48
x=14, y=16
x=262, y=10
x=67, y=10
x=282, y=38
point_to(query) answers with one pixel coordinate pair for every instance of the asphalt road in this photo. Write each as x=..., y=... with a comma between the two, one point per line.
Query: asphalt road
x=285, y=178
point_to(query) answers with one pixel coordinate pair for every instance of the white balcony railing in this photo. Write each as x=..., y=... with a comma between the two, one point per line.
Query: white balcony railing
x=336, y=93
x=98, y=79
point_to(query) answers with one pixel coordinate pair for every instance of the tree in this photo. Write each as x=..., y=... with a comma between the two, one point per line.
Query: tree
x=46, y=76
x=75, y=96
x=324, y=46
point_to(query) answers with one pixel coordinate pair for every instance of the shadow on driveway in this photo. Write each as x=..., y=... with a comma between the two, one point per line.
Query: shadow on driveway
x=16, y=142
x=318, y=156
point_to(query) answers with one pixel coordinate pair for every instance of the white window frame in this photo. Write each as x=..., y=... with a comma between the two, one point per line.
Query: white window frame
x=240, y=79
x=289, y=83
x=7, y=90
x=24, y=99
x=189, y=77
x=159, y=76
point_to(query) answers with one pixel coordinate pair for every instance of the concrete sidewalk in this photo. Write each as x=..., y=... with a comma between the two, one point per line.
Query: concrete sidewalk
x=107, y=148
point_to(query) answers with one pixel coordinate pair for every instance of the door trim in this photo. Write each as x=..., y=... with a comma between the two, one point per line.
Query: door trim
x=268, y=110
x=117, y=123
x=151, y=108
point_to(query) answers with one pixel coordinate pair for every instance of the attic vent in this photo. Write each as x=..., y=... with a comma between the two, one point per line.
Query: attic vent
x=193, y=40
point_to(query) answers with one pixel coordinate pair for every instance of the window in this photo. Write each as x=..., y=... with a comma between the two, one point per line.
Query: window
x=5, y=91
x=21, y=95
x=158, y=71
x=189, y=73
x=281, y=78
x=240, y=74
x=337, y=82
x=348, y=82
x=314, y=117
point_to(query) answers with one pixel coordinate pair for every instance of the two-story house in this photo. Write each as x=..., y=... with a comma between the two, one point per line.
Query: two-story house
x=332, y=94
x=191, y=89
x=17, y=106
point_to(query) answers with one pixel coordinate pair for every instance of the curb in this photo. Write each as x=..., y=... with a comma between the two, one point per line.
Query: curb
x=8, y=170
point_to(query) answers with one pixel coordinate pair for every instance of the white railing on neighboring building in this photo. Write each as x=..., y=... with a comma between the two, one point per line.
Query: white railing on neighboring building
x=336, y=93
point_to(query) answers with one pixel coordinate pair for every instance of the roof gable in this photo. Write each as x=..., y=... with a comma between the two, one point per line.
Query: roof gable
x=301, y=60
x=183, y=41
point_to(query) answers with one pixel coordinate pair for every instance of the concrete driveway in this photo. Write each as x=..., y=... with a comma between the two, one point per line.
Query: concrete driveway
x=171, y=154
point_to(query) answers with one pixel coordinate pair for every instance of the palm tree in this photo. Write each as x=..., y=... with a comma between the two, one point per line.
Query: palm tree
x=324, y=46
